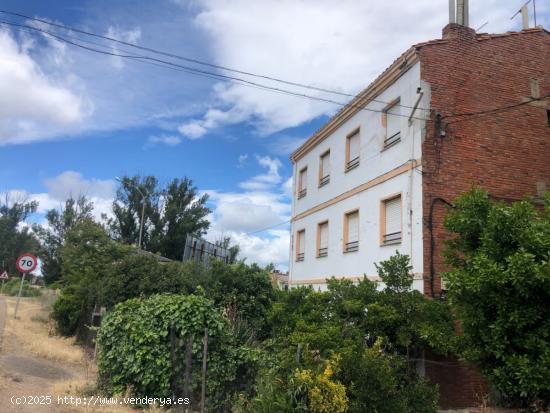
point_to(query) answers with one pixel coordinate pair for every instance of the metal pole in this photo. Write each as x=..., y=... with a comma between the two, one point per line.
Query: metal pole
x=141, y=222
x=19, y=295
x=204, y=354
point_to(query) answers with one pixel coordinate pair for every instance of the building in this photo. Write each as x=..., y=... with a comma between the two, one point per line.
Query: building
x=469, y=108
x=279, y=280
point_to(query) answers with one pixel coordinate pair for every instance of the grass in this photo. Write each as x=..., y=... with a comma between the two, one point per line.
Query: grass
x=35, y=332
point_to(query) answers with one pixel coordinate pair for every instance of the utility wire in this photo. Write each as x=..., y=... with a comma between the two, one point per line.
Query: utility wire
x=193, y=70
x=196, y=61
x=493, y=110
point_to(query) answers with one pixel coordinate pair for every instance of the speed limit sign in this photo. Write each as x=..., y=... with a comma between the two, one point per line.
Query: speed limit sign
x=26, y=263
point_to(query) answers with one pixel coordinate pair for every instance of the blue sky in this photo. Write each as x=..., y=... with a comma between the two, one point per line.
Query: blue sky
x=72, y=120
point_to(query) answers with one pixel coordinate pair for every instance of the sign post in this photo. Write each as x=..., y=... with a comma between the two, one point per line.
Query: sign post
x=4, y=276
x=25, y=263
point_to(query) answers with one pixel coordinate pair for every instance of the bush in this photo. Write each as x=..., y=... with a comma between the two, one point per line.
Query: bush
x=12, y=288
x=500, y=288
x=136, y=349
x=66, y=312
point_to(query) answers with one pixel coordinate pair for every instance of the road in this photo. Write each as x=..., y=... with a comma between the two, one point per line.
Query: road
x=23, y=375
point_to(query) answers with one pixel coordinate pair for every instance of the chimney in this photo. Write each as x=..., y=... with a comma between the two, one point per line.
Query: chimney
x=525, y=16
x=459, y=21
x=459, y=12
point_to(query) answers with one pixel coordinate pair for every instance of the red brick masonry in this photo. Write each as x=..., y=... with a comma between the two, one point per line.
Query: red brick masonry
x=507, y=153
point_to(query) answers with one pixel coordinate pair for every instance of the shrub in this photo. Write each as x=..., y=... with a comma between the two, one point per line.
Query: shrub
x=12, y=288
x=137, y=354
x=500, y=288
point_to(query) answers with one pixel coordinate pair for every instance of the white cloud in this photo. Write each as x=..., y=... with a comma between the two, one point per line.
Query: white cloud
x=339, y=45
x=242, y=160
x=196, y=129
x=31, y=104
x=257, y=217
x=128, y=36
x=169, y=140
x=73, y=184
x=267, y=180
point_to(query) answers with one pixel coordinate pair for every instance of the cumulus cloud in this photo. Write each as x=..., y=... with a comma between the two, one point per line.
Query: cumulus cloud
x=73, y=184
x=257, y=218
x=31, y=104
x=340, y=45
x=267, y=180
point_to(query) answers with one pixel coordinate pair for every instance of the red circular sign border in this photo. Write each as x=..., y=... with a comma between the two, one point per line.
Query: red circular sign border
x=26, y=255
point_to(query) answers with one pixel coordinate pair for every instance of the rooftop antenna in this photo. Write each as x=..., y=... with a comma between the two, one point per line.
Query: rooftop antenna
x=482, y=26
x=524, y=10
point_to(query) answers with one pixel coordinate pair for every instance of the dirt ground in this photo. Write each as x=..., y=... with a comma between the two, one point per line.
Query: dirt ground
x=35, y=363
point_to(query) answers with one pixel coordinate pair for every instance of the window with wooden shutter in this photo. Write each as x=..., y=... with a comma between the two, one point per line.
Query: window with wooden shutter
x=302, y=183
x=300, y=245
x=391, y=221
x=393, y=125
x=353, y=145
x=351, y=231
x=322, y=239
x=324, y=169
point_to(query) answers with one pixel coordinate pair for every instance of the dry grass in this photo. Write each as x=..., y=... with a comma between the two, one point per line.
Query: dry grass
x=34, y=331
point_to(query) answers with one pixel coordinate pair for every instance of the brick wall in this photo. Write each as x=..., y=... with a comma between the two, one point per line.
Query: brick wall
x=506, y=153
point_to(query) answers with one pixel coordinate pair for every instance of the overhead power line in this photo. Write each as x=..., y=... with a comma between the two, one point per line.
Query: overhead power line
x=195, y=61
x=193, y=70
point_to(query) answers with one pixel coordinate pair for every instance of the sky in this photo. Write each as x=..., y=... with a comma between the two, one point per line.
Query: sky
x=71, y=120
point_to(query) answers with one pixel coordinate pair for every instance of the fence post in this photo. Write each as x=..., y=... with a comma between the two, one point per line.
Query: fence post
x=204, y=355
x=173, y=360
x=188, y=365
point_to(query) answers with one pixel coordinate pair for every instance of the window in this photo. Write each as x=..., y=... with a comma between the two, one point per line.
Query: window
x=302, y=183
x=391, y=221
x=300, y=245
x=351, y=231
x=324, y=169
x=352, y=150
x=322, y=239
x=393, y=124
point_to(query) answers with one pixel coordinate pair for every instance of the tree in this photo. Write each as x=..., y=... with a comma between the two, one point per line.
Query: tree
x=499, y=286
x=225, y=242
x=87, y=258
x=170, y=214
x=15, y=238
x=53, y=236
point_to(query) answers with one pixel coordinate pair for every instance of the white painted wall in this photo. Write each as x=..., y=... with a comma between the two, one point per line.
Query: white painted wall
x=373, y=162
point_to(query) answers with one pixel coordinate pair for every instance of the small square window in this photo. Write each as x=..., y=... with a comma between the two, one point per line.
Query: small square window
x=322, y=239
x=393, y=124
x=300, y=245
x=302, y=183
x=351, y=231
x=353, y=145
x=324, y=169
x=391, y=221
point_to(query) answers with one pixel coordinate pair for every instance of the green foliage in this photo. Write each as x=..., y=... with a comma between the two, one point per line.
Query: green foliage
x=53, y=236
x=170, y=214
x=67, y=311
x=11, y=287
x=87, y=258
x=381, y=382
x=350, y=322
x=14, y=238
x=500, y=288
x=136, y=352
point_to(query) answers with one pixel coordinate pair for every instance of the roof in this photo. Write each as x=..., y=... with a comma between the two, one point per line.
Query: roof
x=384, y=80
